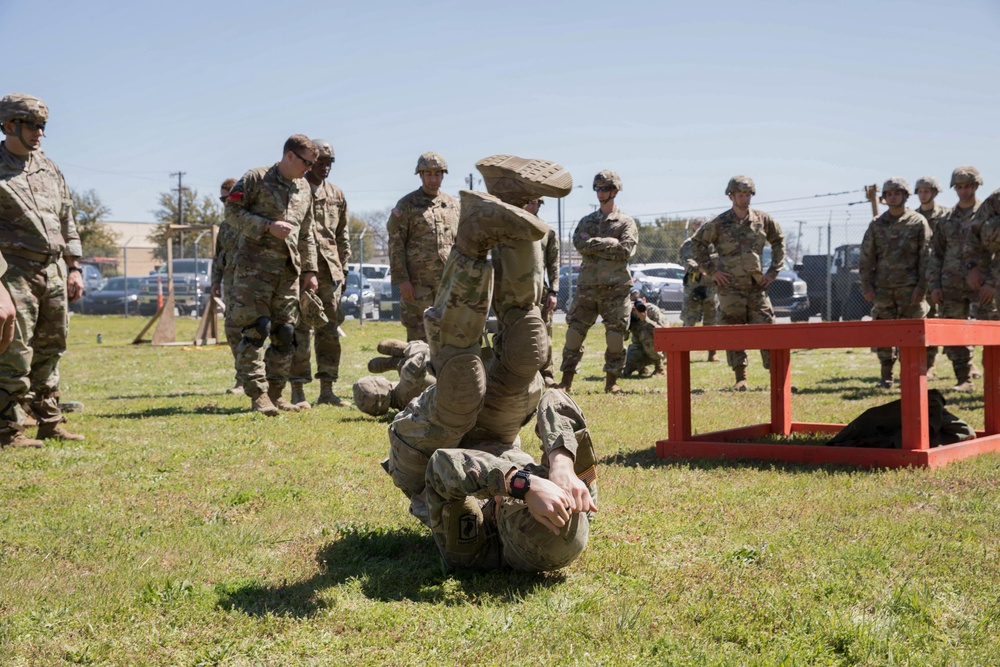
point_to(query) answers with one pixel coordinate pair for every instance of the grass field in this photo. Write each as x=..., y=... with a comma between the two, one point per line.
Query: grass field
x=186, y=531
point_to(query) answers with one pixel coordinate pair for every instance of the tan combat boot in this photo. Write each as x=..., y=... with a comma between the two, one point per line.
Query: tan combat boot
x=298, y=398
x=974, y=372
x=17, y=439
x=657, y=369
x=567, y=381
x=392, y=347
x=609, y=384
x=326, y=395
x=711, y=355
x=56, y=431
x=263, y=405
x=385, y=364
x=274, y=390
x=963, y=381
x=886, y=381
x=741, y=378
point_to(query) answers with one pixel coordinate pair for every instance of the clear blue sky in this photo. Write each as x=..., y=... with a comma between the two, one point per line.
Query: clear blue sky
x=807, y=97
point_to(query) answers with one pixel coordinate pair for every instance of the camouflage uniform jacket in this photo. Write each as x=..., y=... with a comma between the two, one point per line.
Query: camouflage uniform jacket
x=606, y=243
x=935, y=215
x=894, y=252
x=421, y=233
x=226, y=241
x=693, y=276
x=739, y=245
x=980, y=242
x=550, y=250
x=263, y=196
x=330, y=228
x=36, y=210
x=946, y=265
x=655, y=319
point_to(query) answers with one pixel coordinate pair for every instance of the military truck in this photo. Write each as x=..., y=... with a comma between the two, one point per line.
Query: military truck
x=846, y=301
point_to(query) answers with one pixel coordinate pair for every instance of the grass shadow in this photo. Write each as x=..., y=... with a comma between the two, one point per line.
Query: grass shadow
x=174, y=411
x=646, y=458
x=179, y=394
x=389, y=565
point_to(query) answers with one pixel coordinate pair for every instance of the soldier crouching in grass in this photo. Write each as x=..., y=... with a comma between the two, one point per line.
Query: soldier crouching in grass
x=272, y=209
x=455, y=450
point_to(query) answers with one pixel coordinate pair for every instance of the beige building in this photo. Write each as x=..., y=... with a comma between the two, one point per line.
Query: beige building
x=134, y=247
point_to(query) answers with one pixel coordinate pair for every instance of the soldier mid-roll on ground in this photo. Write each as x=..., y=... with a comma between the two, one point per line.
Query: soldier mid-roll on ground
x=928, y=189
x=701, y=298
x=946, y=272
x=333, y=250
x=893, y=266
x=272, y=209
x=606, y=240
x=729, y=249
x=454, y=450
x=39, y=241
x=421, y=231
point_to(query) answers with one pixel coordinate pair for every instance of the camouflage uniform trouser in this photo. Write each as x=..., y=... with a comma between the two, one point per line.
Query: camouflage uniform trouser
x=327, y=338
x=261, y=293
x=547, y=316
x=31, y=361
x=932, y=313
x=411, y=313
x=962, y=306
x=233, y=334
x=642, y=352
x=745, y=305
x=611, y=302
x=705, y=310
x=896, y=304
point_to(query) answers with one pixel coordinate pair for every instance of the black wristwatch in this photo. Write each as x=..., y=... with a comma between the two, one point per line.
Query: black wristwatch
x=75, y=268
x=520, y=484
x=971, y=264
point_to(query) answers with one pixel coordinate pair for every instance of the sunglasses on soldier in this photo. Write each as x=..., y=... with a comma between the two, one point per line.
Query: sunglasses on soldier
x=307, y=163
x=603, y=188
x=32, y=124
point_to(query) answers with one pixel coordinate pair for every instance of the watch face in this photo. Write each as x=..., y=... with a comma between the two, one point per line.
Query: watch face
x=518, y=483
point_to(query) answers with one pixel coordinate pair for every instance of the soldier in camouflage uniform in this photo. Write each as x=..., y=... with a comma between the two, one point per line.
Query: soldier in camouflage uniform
x=645, y=319
x=550, y=255
x=928, y=189
x=893, y=266
x=333, y=250
x=222, y=272
x=982, y=252
x=946, y=270
x=455, y=450
x=39, y=241
x=421, y=230
x=701, y=299
x=8, y=311
x=729, y=249
x=606, y=239
x=272, y=209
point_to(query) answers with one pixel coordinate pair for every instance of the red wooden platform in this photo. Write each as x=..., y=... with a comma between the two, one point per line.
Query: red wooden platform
x=911, y=336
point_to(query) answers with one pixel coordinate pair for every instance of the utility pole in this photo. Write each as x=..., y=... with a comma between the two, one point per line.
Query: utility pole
x=798, y=244
x=180, y=207
x=471, y=181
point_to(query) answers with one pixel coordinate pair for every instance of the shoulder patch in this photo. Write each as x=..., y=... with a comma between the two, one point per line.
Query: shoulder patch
x=396, y=212
x=235, y=196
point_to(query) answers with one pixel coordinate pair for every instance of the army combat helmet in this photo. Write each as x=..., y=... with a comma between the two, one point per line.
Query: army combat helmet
x=740, y=183
x=324, y=150
x=431, y=161
x=19, y=106
x=965, y=175
x=928, y=182
x=896, y=183
x=608, y=177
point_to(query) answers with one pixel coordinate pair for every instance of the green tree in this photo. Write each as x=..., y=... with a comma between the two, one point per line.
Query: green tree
x=355, y=225
x=204, y=211
x=98, y=239
x=661, y=241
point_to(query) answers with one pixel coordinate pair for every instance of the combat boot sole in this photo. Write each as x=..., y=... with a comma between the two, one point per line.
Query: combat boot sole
x=526, y=178
x=263, y=405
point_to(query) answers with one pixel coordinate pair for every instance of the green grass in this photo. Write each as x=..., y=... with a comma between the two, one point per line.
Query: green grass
x=185, y=531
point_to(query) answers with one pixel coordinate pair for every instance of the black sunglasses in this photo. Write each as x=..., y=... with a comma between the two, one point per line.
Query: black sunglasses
x=33, y=125
x=603, y=188
x=308, y=163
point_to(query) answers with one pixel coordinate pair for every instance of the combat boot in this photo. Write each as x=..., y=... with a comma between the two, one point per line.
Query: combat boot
x=385, y=364
x=17, y=439
x=326, y=395
x=263, y=405
x=711, y=355
x=56, y=431
x=274, y=390
x=886, y=381
x=392, y=347
x=610, y=386
x=974, y=372
x=657, y=369
x=963, y=382
x=236, y=389
x=29, y=414
x=567, y=381
x=298, y=398
x=741, y=378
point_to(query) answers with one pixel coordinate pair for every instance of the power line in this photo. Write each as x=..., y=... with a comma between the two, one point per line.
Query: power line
x=756, y=204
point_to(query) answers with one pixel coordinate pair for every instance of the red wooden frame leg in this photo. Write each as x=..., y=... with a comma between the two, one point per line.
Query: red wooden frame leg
x=991, y=390
x=913, y=390
x=781, y=392
x=679, y=395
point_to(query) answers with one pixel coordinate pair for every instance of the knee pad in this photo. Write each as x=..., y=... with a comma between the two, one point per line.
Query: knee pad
x=615, y=340
x=284, y=336
x=372, y=395
x=257, y=333
x=406, y=465
x=524, y=350
x=461, y=387
x=528, y=546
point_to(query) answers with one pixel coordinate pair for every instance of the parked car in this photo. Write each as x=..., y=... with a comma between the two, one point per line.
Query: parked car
x=567, y=286
x=789, y=294
x=377, y=276
x=92, y=281
x=662, y=283
x=114, y=295
x=359, y=298
x=192, y=286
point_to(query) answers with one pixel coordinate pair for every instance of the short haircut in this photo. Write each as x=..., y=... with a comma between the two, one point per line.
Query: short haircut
x=299, y=143
x=228, y=184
